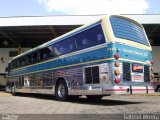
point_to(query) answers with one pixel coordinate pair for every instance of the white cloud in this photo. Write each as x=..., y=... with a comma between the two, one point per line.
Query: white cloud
x=92, y=7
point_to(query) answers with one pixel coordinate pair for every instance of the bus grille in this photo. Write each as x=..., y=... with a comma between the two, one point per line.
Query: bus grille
x=126, y=71
x=146, y=73
x=92, y=75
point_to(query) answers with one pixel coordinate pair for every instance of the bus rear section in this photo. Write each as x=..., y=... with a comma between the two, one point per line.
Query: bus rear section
x=131, y=67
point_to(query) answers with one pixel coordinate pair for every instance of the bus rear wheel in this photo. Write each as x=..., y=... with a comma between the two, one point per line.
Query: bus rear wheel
x=61, y=91
x=94, y=97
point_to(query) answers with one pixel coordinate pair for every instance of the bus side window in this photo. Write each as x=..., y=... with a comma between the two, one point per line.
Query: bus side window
x=90, y=37
x=62, y=50
x=100, y=38
x=86, y=43
x=17, y=63
x=23, y=61
x=65, y=46
x=46, y=53
x=33, y=58
x=12, y=65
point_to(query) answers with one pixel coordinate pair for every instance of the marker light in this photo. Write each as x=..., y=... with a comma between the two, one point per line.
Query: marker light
x=152, y=62
x=153, y=82
x=152, y=75
x=117, y=80
x=117, y=56
x=104, y=77
x=152, y=68
x=117, y=64
x=117, y=72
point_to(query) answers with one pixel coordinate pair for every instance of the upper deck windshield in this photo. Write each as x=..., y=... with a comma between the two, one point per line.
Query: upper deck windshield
x=128, y=29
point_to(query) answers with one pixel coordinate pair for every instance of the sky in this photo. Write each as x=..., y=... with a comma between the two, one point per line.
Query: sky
x=10, y=8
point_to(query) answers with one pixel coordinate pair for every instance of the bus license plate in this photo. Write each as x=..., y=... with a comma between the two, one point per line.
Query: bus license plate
x=137, y=68
x=136, y=77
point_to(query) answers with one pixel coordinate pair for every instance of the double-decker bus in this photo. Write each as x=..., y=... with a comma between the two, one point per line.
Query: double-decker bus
x=109, y=56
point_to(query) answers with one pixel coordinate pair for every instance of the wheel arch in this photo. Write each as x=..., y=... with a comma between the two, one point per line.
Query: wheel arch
x=58, y=79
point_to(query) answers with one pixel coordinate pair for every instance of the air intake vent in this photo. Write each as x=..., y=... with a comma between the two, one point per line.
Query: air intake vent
x=92, y=75
x=146, y=73
x=126, y=71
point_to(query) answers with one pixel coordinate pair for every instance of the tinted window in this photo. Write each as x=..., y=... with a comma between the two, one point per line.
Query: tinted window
x=23, y=61
x=15, y=64
x=12, y=65
x=32, y=58
x=91, y=37
x=65, y=46
x=88, y=38
x=46, y=53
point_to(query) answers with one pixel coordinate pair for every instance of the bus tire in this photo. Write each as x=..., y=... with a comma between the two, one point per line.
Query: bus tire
x=94, y=97
x=61, y=90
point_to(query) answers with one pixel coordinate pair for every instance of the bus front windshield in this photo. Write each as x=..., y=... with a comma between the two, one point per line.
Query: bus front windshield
x=128, y=29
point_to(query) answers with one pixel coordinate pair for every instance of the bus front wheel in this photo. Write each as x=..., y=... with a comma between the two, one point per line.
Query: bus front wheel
x=61, y=91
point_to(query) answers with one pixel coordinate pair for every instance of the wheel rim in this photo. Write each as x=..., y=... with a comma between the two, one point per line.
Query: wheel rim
x=61, y=90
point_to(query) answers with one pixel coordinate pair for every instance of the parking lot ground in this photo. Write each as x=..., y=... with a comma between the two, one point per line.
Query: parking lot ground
x=44, y=104
x=153, y=94
x=4, y=94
